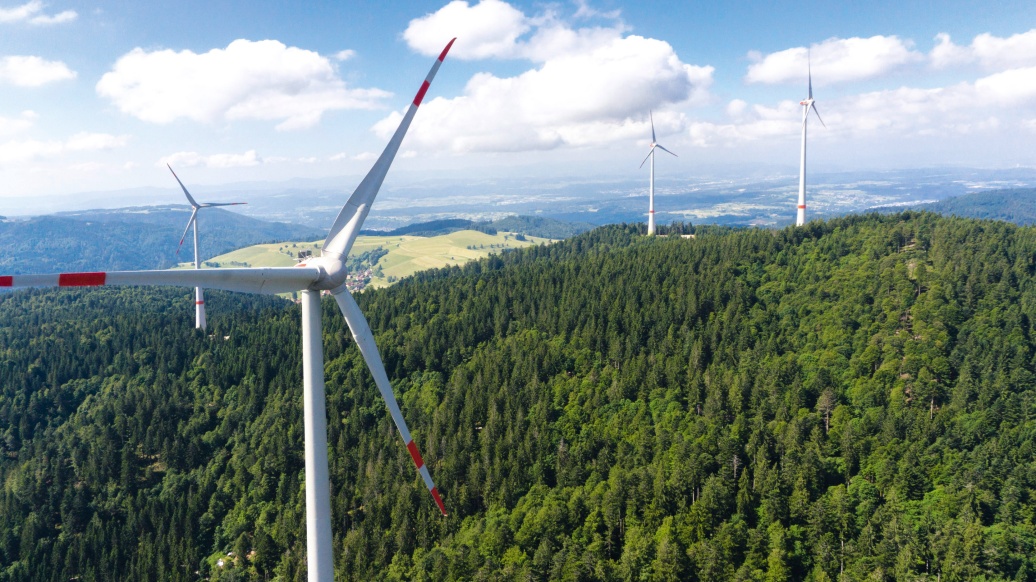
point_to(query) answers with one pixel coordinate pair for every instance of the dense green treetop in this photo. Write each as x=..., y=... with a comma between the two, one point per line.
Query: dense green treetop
x=852, y=399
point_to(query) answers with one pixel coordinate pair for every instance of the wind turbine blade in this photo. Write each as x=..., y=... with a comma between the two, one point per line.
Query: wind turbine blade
x=184, y=235
x=809, y=71
x=361, y=332
x=211, y=204
x=268, y=280
x=652, y=118
x=184, y=188
x=650, y=153
x=666, y=151
x=347, y=226
x=199, y=308
x=814, y=107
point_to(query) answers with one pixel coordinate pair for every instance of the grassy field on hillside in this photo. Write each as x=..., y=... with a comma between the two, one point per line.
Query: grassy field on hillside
x=406, y=254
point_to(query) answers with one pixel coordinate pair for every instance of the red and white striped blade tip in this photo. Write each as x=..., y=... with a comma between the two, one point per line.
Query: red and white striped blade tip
x=438, y=501
x=428, y=80
x=415, y=454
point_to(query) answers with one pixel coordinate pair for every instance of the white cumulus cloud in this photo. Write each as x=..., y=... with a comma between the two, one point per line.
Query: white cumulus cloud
x=20, y=151
x=495, y=29
x=748, y=123
x=32, y=13
x=263, y=80
x=10, y=126
x=833, y=61
x=946, y=53
x=589, y=85
x=32, y=71
x=577, y=100
x=992, y=52
x=89, y=142
x=488, y=29
x=361, y=157
x=985, y=105
x=1008, y=88
x=219, y=161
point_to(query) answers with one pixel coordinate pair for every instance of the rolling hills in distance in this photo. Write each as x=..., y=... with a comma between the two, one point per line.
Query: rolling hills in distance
x=439, y=243
x=147, y=237
x=853, y=399
x=129, y=238
x=1016, y=205
x=404, y=255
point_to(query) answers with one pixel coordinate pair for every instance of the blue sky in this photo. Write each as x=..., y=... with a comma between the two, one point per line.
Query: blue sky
x=99, y=96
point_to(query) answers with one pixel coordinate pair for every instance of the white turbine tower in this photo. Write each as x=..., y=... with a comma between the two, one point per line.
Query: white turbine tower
x=199, y=297
x=651, y=188
x=324, y=273
x=807, y=104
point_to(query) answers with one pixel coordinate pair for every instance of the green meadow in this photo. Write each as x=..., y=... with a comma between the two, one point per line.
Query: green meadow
x=406, y=254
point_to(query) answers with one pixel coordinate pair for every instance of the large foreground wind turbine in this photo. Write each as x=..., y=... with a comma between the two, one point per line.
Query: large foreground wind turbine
x=199, y=298
x=807, y=104
x=324, y=273
x=651, y=188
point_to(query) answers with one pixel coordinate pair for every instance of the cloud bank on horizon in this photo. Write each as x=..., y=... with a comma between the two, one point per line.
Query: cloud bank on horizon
x=540, y=78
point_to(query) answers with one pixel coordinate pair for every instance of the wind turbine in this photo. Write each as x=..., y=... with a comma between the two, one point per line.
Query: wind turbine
x=324, y=273
x=199, y=298
x=651, y=189
x=807, y=104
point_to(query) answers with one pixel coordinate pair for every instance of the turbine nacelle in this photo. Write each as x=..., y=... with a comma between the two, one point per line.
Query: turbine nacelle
x=331, y=272
x=809, y=102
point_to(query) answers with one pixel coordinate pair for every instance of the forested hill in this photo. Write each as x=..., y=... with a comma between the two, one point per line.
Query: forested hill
x=130, y=238
x=1017, y=205
x=848, y=400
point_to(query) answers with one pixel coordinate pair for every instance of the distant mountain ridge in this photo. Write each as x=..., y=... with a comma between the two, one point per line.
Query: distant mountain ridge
x=145, y=237
x=130, y=238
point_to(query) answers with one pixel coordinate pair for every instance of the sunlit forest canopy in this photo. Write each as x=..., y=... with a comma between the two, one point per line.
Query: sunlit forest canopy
x=850, y=400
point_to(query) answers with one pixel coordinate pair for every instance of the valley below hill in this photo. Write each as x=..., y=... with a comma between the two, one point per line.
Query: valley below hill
x=854, y=399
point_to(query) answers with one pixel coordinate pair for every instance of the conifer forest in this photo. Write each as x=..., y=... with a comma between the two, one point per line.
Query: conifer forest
x=850, y=400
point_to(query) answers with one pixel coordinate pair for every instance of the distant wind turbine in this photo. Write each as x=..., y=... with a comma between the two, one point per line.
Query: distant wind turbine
x=651, y=189
x=199, y=298
x=807, y=104
x=324, y=273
